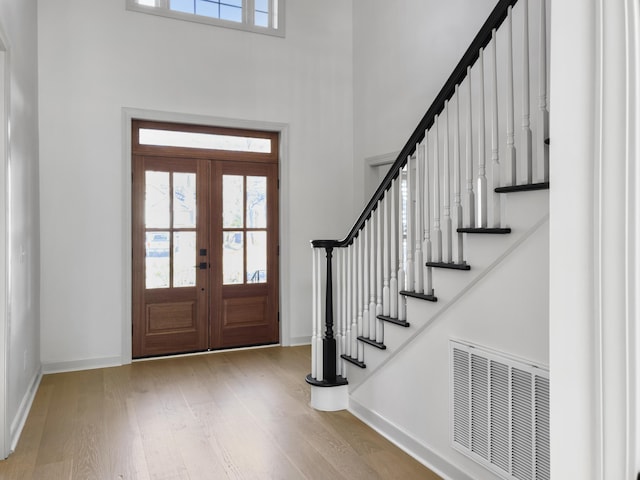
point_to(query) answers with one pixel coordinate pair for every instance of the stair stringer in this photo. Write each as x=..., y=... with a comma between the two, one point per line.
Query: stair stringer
x=406, y=396
x=526, y=212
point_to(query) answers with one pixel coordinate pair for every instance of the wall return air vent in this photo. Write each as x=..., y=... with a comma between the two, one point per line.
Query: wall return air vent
x=500, y=412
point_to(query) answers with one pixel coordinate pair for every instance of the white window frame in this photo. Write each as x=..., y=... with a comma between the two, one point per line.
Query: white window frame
x=276, y=16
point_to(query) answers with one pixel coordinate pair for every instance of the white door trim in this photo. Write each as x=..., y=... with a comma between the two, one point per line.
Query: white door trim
x=128, y=115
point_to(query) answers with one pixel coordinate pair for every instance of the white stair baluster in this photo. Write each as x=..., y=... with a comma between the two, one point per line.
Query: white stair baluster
x=348, y=304
x=418, y=285
x=366, y=260
x=457, y=197
x=495, y=157
x=386, y=299
x=511, y=173
x=543, y=114
x=446, y=187
x=314, y=314
x=409, y=285
x=361, y=294
x=344, y=322
x=471, y=201
x=526, y=126
x=393, y=248
x=378, y=309
x=354, y=302
x=372, y=275
x=481, y=206
x=402, y=306
x=428, y=274
x=320, y=334
x=437, y=233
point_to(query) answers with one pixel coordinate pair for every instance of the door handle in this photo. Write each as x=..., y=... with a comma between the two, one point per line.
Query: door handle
x=202, y=266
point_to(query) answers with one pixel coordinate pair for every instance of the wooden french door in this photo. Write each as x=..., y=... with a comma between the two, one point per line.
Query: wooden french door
x=205, y=242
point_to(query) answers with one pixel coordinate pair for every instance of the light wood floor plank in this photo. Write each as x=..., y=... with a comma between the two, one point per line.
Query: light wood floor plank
x=237, y=415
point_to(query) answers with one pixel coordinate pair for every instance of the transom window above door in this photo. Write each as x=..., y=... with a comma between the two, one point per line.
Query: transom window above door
x=260, y=16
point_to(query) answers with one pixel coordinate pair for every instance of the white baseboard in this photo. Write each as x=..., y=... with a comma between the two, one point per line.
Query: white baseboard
x=87, y=364
x=23, y=410
x=297, y=341
x=403, y=440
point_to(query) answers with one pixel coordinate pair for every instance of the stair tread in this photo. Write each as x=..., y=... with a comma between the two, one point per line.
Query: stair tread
x=526, y=187
x=452, y=265
x=422, y=296
x=499, y=231
x=373, y=343
x=354, y=361
x=395, y=321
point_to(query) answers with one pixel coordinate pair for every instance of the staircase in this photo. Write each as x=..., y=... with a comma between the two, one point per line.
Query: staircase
x=453, y=244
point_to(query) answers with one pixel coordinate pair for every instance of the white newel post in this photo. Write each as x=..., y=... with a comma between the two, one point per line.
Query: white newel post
x=495, y=157
x=511, y=174
x=471, y=202
x=457, y=197
x=481, y=220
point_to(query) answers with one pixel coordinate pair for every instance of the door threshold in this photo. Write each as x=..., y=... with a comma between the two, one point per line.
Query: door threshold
x=205, y=352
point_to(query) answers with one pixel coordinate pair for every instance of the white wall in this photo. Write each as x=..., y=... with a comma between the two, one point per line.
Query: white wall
x=18, y=22
x=402, y=57
x=97, y=58
x=407, y=397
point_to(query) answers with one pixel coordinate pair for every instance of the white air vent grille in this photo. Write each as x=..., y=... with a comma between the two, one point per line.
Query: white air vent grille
x=500, y=412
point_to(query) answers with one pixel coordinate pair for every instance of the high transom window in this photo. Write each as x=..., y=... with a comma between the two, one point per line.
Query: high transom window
x=260, y=16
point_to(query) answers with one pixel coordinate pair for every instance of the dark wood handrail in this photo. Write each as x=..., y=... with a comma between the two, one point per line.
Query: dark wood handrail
x=481, y=40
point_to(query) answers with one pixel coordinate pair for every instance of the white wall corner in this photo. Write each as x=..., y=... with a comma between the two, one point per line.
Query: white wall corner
x=85, y=364
x=23, y=410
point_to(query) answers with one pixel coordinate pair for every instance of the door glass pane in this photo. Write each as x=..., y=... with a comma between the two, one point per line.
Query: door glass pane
x=184, y=200
x=256, y=257
x=184, y=259
x=232, y=257
x=156, y=199
x=232, y=197
x=157, y=271
x=256, y=202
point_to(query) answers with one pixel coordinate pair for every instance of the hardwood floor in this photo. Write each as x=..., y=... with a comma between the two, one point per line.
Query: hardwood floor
x=236, y=415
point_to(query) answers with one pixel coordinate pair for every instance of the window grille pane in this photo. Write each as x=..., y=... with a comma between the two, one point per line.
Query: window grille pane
x=261, y=19
x=185, y=6
x=208, y=8
x=256, y=202
x=184, y=259
x=157, y=268
x=184, y=200
x=156, y=200
x=232, y=257
x=256, y=257
x=232, y=201
x=233, y=14
x=210, y=141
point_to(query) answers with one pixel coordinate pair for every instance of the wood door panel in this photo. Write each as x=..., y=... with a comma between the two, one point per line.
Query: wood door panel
x=244, y=312
x=169, y=318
